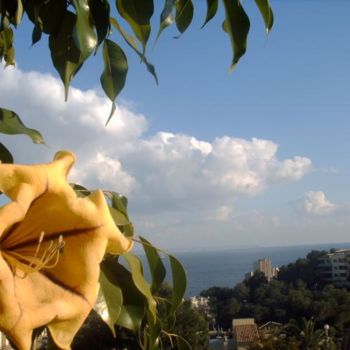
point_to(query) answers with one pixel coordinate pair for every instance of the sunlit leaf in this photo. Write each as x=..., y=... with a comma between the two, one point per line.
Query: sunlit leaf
x=100, y=11
x=266, y=12
x=184, y=14
x=166, y=17
x=115, y=71
x=138, y=14
x=19, y=13
x=155, y=263
x=7, y=50
x=113, y=298
x=141, y=284
x=119, y=218
x=130, y=40
x=11, y=124
x=212, y=7
x=5, y=154
x=64, y=53
x=84, y=32
x=237, y=24
x=179, y=283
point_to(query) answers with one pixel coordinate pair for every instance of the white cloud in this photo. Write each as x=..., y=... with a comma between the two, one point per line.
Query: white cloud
x=175, y=177
x=316, y=203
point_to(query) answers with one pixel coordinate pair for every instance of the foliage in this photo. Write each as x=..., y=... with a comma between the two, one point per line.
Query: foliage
x=77, y=29
x=188, y=323
x=296, y=297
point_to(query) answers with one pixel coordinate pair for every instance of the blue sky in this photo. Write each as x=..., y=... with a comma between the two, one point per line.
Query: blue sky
x=291, y=90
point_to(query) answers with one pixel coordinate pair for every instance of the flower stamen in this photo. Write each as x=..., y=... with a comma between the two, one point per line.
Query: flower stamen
x=30, y=264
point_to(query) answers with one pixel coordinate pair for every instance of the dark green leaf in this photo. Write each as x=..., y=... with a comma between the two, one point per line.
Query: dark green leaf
x=84, y=32
x=212, y=7
x=115, y=71
x=138, y=14
x=100, y=10
x=155, y=263
x=114, y=300
x=5, y=154
x=133, y=308
x=65, y=55
x=130, y=40
x=80, y=190
x=141, y=284
x=237, y=24
x=36, y=34
x=179, y=283
x=11, y=124
x=182, y=344
x=184, y=14
x=266, y=12
x=154, y=333
x=48, y=14
x=166, y=17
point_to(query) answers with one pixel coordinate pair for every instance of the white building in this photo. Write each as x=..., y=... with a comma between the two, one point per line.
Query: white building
x=335, y=267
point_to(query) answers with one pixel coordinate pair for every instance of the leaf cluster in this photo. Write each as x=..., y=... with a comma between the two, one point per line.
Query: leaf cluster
x=298, y=293
x=76, y=29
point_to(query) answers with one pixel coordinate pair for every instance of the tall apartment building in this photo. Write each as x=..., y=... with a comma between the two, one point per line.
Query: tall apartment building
x=264, y=265
x=335, y=267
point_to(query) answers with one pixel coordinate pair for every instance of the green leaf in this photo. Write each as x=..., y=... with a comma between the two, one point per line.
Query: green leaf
x=49, y=14
x=182, y=344
x=115, y=71
x=113, y=297
x=80, y=190
x=119, y=218
x=166, y=17
x=154, y=333
x=84, y=33
x=179, y=283
x=7, y=50
x=141, y=284
x=212, y=7
x=118, y=201
x=184, y=14
x=19, y=13
x=5, y=154
x=266, y=12
x=36, y=34
x=138, y=14
x=130, y=40
x=156, y=266
x=237, y=24
x=11, y=124
x=65, y=55
x=133, y=309
x=100, y=11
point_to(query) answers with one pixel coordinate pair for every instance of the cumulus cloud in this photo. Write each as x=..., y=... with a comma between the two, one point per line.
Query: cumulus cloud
x=163, y=172
x=316, y=202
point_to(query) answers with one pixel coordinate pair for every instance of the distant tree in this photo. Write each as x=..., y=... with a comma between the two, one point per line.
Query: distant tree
x=219, y=301
x=305, y=269
x=188, y=323
x=256, y=281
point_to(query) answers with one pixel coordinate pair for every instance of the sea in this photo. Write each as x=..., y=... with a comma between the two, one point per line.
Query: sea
x=226, y=268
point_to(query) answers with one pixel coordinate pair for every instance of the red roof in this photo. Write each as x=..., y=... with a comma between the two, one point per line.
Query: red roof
x=246, y=333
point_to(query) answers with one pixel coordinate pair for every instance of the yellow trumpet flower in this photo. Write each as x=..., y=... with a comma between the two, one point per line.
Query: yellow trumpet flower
x=51, y=245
